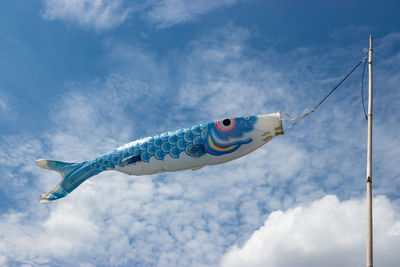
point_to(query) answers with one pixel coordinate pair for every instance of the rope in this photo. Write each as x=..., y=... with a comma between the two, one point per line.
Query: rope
x=362, y=90
x=345, y=77
x=296, y=119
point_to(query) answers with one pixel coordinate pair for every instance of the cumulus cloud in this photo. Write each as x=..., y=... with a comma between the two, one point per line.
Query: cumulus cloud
x=326, y=233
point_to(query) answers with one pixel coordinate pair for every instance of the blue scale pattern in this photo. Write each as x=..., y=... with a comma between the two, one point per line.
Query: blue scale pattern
x=169, y=143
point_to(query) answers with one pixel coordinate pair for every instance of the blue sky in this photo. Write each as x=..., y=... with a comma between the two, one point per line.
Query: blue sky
x=78, y=78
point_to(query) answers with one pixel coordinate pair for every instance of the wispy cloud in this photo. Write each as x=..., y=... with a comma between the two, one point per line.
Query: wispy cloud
x=99, y=14
x=107, y=14
x=3, y=105
x=165, y=13
x=5, y=108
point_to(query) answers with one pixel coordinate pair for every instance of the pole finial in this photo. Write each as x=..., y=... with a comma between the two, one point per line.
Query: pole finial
x=370, y=41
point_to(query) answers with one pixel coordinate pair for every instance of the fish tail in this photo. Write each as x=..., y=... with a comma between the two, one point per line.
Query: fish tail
x=73, y=174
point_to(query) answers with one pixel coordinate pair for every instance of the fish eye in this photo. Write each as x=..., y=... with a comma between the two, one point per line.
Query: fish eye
x=226, y=122
x=225, y=125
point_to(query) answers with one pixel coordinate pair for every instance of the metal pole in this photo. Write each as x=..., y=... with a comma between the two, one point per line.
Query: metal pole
x=369, y=161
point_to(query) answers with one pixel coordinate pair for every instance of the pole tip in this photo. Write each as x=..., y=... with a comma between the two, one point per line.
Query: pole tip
x=370, y=41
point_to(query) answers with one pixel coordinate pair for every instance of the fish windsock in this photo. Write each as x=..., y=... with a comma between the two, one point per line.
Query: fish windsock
x=187, y=148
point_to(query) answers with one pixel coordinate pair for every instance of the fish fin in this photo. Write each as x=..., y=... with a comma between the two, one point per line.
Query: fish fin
x=197, y=168
x=196, y=151
x=131, y=160
x=73, y=174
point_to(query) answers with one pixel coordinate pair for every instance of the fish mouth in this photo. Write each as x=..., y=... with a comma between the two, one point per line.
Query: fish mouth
x=268, y=122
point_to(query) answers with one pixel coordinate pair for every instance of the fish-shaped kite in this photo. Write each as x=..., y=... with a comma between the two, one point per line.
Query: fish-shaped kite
x=188, y=148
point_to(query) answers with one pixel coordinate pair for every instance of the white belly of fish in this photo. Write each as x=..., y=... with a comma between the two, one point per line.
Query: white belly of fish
x=185, y=162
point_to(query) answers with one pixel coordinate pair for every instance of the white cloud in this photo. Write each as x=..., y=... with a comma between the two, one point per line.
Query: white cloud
x=218, y=72
x=99, y=14
x=6, y=109
x=169, y=12
x=107, y=14
x=3, y=105
x=326, y=233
